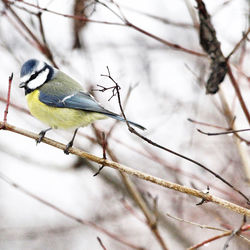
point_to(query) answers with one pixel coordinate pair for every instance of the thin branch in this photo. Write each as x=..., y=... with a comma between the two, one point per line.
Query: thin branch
x=244, y=37
x=8, y=102
x=238, y=93
x=133, y=131
x=125, y=23
x=223, y=133
x=197, y=224
x=101, y=244
x=80, y=18
x=130, y=171
x=46, y=46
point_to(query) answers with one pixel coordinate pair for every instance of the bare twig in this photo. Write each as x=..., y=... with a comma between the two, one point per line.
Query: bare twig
x=230, y=233
x=238, y=93
x=196, y=224
x=235, y=232
x=244, y=37
x=8, y=102
x=225, y=132
x=132, y=130
x=46, y=46
x=100, y=242
x=125, y=23
x=104, y=146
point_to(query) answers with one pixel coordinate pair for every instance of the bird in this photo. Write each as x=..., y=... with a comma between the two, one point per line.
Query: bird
x=59, y=101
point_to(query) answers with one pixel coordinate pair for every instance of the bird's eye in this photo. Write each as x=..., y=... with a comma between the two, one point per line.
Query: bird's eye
x=33, y=76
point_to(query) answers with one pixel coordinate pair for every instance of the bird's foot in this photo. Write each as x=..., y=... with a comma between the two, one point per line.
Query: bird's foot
x=68, y=146
x=41, y=135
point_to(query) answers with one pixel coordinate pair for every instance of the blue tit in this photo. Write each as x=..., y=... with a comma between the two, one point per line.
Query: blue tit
x=59, y=101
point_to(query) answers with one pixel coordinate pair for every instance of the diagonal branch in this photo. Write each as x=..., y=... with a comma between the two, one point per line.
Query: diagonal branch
x=131, y=171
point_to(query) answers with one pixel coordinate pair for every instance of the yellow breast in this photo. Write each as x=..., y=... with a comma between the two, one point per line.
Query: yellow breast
x=63, y=118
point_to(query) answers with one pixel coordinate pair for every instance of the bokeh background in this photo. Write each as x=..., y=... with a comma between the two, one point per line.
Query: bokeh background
x=161, y=87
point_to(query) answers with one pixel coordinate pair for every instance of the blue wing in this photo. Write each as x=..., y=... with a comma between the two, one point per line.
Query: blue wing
x=79, y=100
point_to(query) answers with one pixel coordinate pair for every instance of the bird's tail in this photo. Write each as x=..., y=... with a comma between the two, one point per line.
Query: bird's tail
x=119, y=118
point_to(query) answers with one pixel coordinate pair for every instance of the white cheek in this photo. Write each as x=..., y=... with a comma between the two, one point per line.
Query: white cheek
x=39, y=80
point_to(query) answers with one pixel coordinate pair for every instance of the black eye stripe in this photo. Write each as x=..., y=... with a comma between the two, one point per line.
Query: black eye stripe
x=33, y=76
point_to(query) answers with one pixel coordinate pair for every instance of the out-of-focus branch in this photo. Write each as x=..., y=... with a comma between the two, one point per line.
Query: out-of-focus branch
x=238, y=93
x=244, y=156
x=244, y=37
x=42, y=47
x=125, y=23
x=130, y=171
x=137, y=197
x=230, y=233
x=67, y=214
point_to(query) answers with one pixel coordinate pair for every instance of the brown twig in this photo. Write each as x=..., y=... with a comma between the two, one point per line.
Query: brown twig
x=130, y=171
x=238, y=93
x=132, y=130
x=104, y=147
x=125, y=23
x=8, y=102
x=244, y=37
x=48, y=52
x=230, y=233
x=223, y=133
x=42, y=47
x=101, y=244
x=229, y=130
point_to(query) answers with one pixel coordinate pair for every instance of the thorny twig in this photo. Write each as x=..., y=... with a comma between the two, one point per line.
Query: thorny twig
x=132, y=130
x=104, y=146
x=203, y=200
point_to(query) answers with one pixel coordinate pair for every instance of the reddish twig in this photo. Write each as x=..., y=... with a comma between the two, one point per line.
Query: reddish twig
x=244, y=37
x=125, y=23
x=238, y=93
x=100, y=242
x=230, y=233
x=81, y=18
x=8, y=102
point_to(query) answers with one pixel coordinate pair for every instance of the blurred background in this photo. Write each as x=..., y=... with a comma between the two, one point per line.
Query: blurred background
x=161, y=88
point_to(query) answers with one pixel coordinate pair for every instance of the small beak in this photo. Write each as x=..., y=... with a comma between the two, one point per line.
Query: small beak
x=22, y=85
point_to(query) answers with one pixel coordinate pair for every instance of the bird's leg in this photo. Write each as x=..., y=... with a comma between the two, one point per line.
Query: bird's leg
x=70, y=144
x=41, y=135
